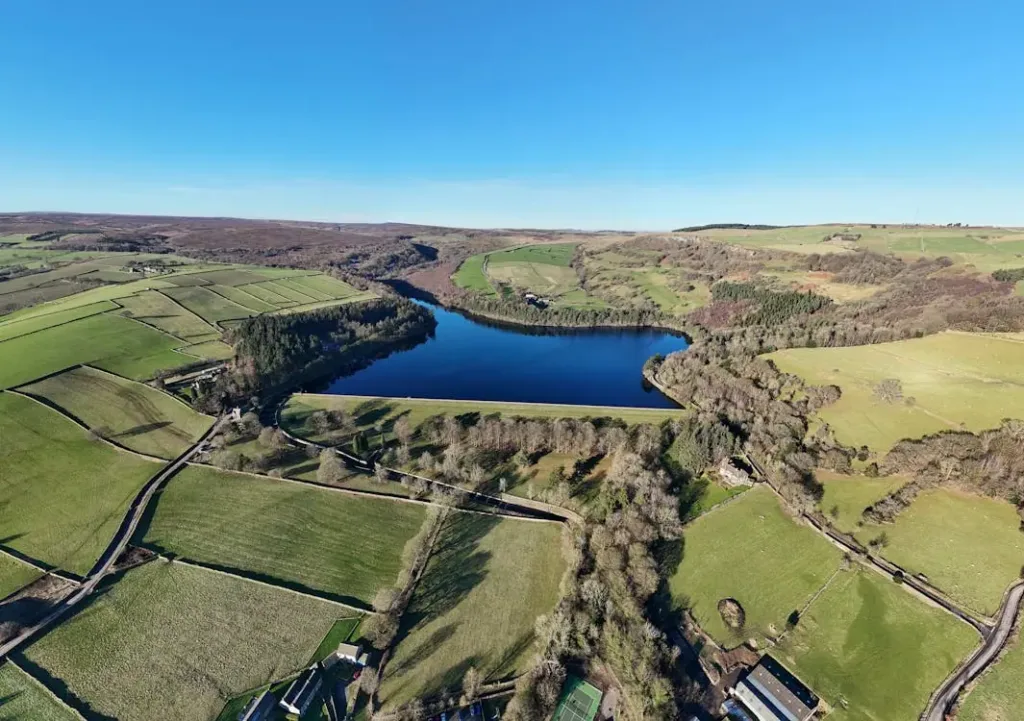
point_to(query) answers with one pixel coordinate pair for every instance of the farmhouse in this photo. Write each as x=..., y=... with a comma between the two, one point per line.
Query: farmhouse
x=302, y=691
x=351, y=652
x=732, y=475
x=771, y=693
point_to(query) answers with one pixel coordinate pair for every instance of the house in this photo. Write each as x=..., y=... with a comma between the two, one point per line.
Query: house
x=530, y=297
x=303, y=691
x=733, y=475
x=770, y=692
x=351, y=652
x=259, y=707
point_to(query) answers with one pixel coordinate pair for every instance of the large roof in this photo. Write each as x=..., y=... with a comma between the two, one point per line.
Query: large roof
x=780, y=691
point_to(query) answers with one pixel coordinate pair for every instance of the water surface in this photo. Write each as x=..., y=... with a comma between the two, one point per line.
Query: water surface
x=475, y=360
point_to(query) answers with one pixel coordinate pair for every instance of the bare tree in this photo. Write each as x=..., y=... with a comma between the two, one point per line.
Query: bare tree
x=331, y=469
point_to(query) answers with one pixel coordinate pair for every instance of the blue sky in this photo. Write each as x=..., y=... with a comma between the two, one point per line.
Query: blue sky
x=597, y=114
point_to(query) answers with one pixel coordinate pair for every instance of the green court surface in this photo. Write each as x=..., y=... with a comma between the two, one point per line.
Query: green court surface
x=580, y=701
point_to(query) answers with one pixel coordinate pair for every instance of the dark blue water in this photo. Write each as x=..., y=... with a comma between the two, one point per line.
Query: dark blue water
x=471, y=360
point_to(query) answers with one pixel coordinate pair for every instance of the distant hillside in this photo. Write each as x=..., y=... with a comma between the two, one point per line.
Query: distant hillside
x=728, y=226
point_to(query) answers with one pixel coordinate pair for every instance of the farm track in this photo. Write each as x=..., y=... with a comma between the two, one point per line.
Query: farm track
x=114, y=549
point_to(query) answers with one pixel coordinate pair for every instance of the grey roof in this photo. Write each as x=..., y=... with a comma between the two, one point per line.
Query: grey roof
x=780, y=690
x=302, y=688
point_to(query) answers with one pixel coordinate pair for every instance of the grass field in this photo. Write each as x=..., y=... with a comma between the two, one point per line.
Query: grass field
x=207, y=304
x=307, y=537
x=369, y=410
x=874, y=651
x=133, y=414
x=471, y=275
x=110, y=342
x=969, y=379
x=22, y=698
x=16, y=328
x=848, y=496
x=14, y=575
x=158, y=310
x=486, y=583
x=969, y=546
x=710, y=494
x=63, y=494
x=999, y=695
x=752, y=552
x=182, y=640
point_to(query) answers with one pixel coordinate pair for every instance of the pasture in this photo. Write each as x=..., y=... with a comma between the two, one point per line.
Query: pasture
x=158, y=310
x=14, y=574
x=986, y=248
x=107, y=341
x=309, y=538
x=969, y=546
x=999, y=694
x=485, y=585
x=23, y=697
x=129, y=413
x=16, y=328
x=367, y=411
x=846, y=497
x=874, y=651
x=207, y=304
x=969, y=380
x=180, y=639
x=752, y=552
x=470, y=275
x=64, y=494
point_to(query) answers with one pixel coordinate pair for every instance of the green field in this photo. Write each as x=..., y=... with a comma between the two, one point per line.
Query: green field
x=709, y=494
x=987, y=248
x=64, y=495
x=969, y=380
x=207, y=304
x=16, y=328
x=22, y=698
x=107, y=341
x=874, y=651
x=486, y=583
x=850, y=495
x=752, y=552
x=471, y=275
x=133, y=414
x=968, y=546
x=182, y=640
x=158, y=310
x=14, y=575
x=999, y=694
x=369, y=410
x=310, y=538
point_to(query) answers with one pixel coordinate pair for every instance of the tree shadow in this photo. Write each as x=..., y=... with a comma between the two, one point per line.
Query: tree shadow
x=143, y=429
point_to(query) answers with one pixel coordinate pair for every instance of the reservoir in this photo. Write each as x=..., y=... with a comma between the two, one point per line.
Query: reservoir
x=469, y=359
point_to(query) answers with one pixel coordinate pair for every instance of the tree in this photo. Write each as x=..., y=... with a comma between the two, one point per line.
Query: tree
x=403, y=430
x=381, y=474
x=331, y=469
x=471, y=683
x=320, y=422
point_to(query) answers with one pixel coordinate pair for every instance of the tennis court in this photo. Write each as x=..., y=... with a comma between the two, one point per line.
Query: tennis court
x=580, y=701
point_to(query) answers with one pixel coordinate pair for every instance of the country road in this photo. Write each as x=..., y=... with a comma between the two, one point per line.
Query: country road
x=944, y=698
x=116, y=546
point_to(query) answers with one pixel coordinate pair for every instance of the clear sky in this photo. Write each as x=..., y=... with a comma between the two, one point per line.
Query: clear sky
x=596, y=114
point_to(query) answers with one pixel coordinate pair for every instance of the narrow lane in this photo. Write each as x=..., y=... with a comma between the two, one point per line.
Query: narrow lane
x=943, y=699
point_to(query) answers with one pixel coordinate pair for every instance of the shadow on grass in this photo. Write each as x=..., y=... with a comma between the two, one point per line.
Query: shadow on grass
x=147, y=428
